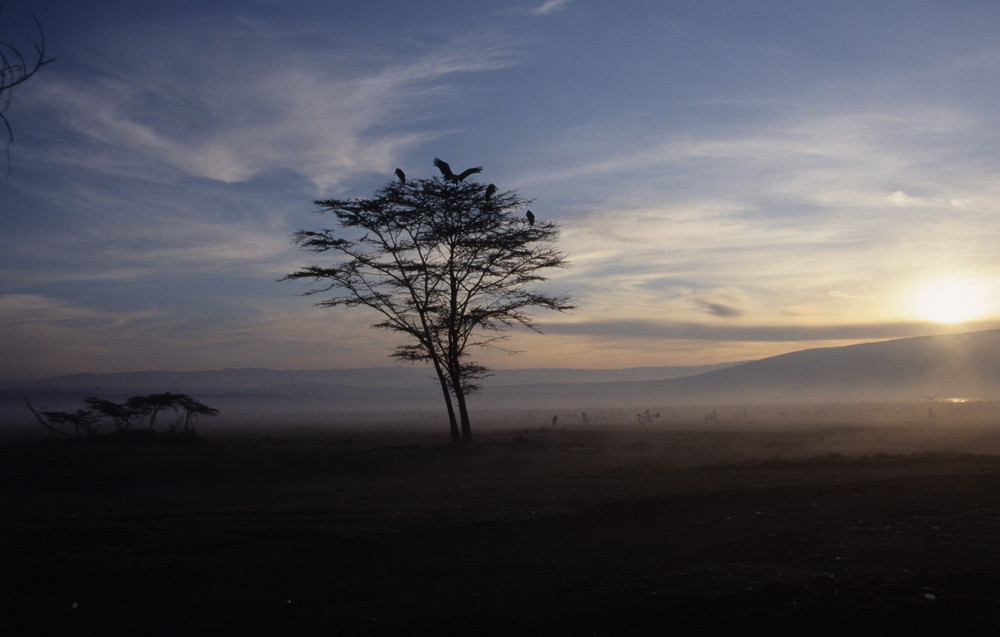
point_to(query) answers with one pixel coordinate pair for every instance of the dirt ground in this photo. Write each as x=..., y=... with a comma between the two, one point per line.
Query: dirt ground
x=682, y=530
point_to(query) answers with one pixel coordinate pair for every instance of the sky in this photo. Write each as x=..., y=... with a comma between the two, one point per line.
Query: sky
x=732, y=180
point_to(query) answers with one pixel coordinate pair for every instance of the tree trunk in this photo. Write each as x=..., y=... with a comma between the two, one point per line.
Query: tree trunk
x=443, y=379
x=455, y=436
x=463, y=411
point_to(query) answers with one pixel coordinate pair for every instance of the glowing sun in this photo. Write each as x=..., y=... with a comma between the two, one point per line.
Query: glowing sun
x=951, y=299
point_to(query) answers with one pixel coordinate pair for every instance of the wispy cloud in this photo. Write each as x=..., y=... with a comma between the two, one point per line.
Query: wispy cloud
x=40, y=329
x=34, y=310
x=550, y=6
x=663, y=330
x=719, y=309
x=315, y=113
x=815, y=214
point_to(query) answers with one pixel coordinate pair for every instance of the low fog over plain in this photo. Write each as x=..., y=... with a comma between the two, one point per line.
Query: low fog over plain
x=921, y=383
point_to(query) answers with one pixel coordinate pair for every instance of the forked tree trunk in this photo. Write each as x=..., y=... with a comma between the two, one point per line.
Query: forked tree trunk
x=443, y=379
x=463, y=409
x=463, y=412
x=455, y=435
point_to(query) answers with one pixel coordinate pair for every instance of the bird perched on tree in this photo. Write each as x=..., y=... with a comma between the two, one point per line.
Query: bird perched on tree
x=530, y=216
x=401, y=175
x=452, y=177
x=490, y=190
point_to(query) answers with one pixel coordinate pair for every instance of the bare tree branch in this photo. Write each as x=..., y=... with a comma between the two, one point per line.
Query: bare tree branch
x=15, y=69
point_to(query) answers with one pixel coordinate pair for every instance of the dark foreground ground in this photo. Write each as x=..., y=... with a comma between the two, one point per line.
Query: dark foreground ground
x=820, y=531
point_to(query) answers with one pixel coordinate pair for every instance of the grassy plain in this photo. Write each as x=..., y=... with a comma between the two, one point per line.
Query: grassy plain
x=684, y=528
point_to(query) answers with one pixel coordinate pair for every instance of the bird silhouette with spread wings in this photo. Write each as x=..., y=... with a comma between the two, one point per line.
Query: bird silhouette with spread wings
x=452, y=177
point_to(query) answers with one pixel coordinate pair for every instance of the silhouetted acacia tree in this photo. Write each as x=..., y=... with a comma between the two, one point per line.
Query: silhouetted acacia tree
x=16, y=67
x=124, y=418
x=446, y=262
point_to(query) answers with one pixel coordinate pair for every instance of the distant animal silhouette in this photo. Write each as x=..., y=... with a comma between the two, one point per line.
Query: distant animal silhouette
x=530, y=216
x=452, y=177
x=401, y=175
x=555, y=419
x=490, y=190
x=646, y=418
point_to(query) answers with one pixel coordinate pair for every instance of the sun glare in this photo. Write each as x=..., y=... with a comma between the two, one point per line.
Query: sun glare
x=951, y=299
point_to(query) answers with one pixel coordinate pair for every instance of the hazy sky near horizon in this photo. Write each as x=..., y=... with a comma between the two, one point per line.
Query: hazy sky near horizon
x=732, y=179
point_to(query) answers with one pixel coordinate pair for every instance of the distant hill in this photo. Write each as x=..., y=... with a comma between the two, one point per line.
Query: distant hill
x=910, y=369
x=248, y=379
x=955, y=365
x=257, y=392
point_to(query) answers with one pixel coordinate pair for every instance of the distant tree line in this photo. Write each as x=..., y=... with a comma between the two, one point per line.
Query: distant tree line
x=164, y=413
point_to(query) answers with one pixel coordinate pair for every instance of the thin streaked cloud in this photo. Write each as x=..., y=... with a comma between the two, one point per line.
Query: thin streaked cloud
x=228, y=120
x=550, y=6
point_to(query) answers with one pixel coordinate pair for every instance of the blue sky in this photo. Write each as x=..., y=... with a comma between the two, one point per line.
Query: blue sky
x=732, y=179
